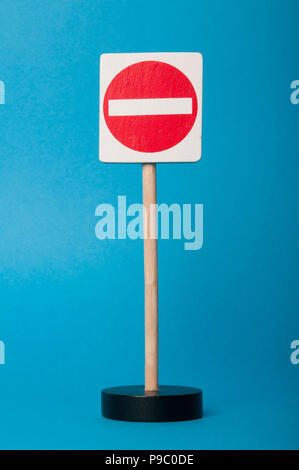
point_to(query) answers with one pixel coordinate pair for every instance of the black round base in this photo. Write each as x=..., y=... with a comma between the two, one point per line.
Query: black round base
x=169, y=403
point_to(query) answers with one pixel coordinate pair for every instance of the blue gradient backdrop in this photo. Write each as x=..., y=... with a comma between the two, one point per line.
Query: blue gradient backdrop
x=71, y=305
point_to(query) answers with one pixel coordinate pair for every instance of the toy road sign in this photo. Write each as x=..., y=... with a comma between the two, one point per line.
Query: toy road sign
x=150, y=107
x=150, y=112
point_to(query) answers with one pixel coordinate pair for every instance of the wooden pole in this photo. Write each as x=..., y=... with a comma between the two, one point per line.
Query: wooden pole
x=150, y=276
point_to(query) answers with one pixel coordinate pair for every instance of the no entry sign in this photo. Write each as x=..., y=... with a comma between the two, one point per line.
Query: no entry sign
x=150, y=112
x=150, y=107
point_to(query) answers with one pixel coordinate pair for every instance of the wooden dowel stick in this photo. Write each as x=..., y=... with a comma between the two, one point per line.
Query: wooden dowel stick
x=150, y=276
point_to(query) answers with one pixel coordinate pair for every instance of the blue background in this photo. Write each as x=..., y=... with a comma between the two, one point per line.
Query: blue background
x=71, y=305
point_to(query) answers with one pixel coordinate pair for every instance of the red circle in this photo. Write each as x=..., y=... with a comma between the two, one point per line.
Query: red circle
x=150, y=79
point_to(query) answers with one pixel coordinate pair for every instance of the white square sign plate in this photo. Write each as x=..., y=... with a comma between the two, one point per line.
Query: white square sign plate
x=150, y=107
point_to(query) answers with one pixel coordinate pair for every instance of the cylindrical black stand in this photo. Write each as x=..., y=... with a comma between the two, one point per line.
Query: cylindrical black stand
x=169, y=403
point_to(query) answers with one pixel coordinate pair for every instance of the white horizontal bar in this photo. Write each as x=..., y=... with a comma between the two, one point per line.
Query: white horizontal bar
x=150, y=106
